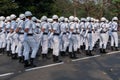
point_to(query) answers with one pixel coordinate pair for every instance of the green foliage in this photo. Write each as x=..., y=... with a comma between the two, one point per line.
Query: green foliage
x=61, y=8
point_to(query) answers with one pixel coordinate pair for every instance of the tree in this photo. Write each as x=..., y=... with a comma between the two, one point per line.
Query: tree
x=7, y=7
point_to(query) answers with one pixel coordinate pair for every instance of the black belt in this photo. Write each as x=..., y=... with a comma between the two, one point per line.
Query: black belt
x=73, y=33
x=114, y=30
x=45, y=33
x=20, y=33
x=64, y=33
x=103, y=32
x=89, y=31
x=56, y=34
x=30, y=34
x=84, y=30
x=8, y=31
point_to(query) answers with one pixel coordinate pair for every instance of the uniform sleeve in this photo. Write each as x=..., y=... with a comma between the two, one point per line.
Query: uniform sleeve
x=8, y=25
x=13, y=26
x=27, y=25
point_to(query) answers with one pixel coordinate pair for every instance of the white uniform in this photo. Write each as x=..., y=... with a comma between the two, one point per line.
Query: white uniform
x=45, y=28
x=73, y=40
x=21, y=26
x=114, y=34
x=64, y=38
x=2, y=36
x=56, y=40
x=103, y=36
x=29, y=40
x=8, y=41
x=89, y=38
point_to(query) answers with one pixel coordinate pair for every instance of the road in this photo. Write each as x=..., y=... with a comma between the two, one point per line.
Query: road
x=98, y=67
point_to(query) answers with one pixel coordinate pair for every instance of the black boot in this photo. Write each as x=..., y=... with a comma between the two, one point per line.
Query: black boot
x=62, y=53
x=43, y=56
x=90, y=53
x=116, y=48
x=101, y=51
x=3, y=50
x=0, y=50
x=54, y=59
x=112, y=48
x=57, y=59
x=32, y=62
x=87, y=53
x=21, y=59
x=8, y=53
x=81, y=47
x=70, y=54
x=74, y=55
x=14, y=56
x=50, y=51
x=104, y=51
x=26, y=63
x=78, y=51
x=46, y=56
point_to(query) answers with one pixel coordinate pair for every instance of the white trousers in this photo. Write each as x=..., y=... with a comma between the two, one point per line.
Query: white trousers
x=30, y=44
x=103, y=40
x=44, y=44
x=114, y=39
x=89, y=42
x=73, y=43
x=56, y=45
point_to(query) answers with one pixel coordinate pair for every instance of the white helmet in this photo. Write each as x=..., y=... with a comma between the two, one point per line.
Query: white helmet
x=103, y=19
x=43, y=18
x=34, y=19
x=2, y=18
x=71, y=18
x=18, y=19
x=83, y=19
x=50, y=20
x=66, y=19
x=88, y=18
x=28, y=13
x=22, y=16
x=62, y=18
x=8, y=18
x=76, y=19
x=12, y=16
x=92, y=19
x=54, y=17
x=114, y=19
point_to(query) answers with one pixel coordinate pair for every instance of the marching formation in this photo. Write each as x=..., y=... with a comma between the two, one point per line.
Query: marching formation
x=22, y=37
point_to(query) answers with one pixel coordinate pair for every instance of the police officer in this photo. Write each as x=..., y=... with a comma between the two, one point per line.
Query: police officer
x=73, y=39
x=20, y=31
x=29, y=42
x=77, y=33
x=2, y=34
x=7, y=30
x=114, y=35
x=56, y=41
x=103, y=35
x=44, y=41
x=89, y=37
x=13, y=36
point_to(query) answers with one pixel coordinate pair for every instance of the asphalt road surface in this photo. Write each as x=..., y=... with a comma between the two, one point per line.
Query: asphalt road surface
x=98, y=67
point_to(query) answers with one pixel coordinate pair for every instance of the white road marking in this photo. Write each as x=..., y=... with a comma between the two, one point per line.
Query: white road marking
x=113, y=52
x=85, y=58
x=51, y=65
x=94, y=56
x=6, y=74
